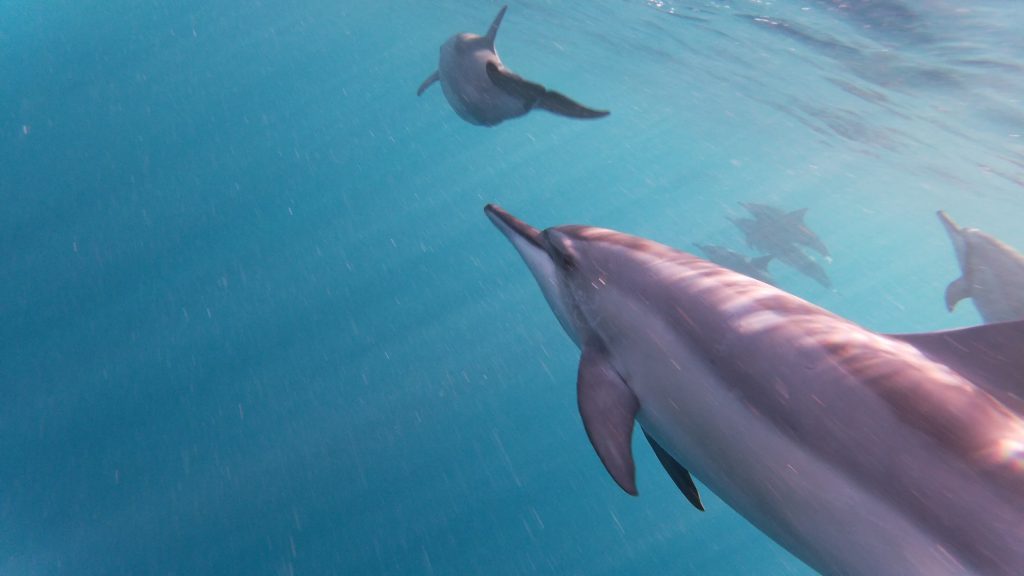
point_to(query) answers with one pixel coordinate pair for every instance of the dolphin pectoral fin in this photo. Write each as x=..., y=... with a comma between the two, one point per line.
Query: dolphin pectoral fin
x=515, y=85
x=681, y=476
x=608, y=408
x=564, y=106
x=535, y=95
x=428, y=82
x=956, y=291
x=989, y=355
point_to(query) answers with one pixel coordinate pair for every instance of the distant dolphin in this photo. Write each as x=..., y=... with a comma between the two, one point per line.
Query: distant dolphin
x=483, y=92
x=764, y=236
x=756, y=268
x=790, y=225
x=993, y=274
x=862, y=454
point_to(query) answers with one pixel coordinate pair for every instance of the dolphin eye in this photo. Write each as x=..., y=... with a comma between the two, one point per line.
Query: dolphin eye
x=560, y=250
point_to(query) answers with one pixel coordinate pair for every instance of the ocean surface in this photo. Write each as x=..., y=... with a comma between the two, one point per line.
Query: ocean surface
x=253, y=320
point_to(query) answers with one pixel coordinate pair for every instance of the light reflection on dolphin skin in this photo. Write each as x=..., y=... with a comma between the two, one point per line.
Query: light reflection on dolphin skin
x=863, y=454
x=483, y=92
x=992, y=273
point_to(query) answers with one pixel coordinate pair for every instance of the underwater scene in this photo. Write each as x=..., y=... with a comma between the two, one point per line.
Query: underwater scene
x=255, y=319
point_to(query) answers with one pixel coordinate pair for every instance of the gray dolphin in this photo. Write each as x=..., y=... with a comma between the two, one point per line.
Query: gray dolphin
x=993, y=274
x=483, y=92
x=860, y=453
x=789, y=225
x=766, y=237
x=756, y=268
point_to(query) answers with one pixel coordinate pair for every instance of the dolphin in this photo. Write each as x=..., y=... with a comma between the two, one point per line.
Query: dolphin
x=483, y=92
x=860, y=453
x=789, y=225
x=766, y=238
x=756, y=268
x=992, y=274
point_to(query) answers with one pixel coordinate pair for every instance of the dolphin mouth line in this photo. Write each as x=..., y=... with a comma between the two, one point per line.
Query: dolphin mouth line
x=513, y=227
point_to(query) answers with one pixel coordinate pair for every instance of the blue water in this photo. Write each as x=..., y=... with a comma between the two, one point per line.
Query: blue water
x=253, y=320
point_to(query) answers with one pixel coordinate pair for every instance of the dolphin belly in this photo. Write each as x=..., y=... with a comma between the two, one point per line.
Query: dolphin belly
x=469, y=90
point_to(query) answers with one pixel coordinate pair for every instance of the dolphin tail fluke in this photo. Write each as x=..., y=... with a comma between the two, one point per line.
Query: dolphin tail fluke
x=608, y=408
x=562, y=105
x=428, y=82
x=956, y=291
x=681, y=476
x=492, y=32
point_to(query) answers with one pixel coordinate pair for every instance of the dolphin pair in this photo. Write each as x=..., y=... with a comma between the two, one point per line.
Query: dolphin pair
x=483, y=92
x=860, y=453
x=781, y=234
x=992, y=274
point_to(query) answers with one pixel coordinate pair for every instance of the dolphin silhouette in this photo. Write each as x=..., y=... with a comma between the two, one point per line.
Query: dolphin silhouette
x=789, y=225
x=765, y=236
x=483, y=92
x=992, y=274
x=756, y=268
x=860, y=453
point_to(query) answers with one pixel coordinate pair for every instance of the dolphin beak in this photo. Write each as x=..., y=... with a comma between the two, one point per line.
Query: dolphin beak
x=513, y=228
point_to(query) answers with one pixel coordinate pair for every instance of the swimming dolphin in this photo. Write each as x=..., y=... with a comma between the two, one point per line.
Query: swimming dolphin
x=993, y=274
x=483, y=92
x=756, y=268
x=765, y=237
x=788, y=225
x=860, y=453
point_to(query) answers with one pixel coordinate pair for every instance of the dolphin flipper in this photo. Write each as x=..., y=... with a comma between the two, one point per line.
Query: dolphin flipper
x=428, y=82
x=535, y=95
x=681, y=476
x=608, y=408
x=564, y=106
x=956, y=291
x=991, y=355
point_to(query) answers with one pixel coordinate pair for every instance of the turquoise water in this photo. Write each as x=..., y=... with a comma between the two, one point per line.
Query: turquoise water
x=253, y=320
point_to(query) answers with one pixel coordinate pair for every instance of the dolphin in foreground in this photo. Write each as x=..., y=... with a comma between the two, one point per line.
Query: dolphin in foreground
x=483, y=92
x=860, y=453
x=993, y=274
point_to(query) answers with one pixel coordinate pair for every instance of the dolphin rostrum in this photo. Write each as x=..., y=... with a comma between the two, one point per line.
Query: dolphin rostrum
x=861, y=453
x=992, y=274
x=483, y=92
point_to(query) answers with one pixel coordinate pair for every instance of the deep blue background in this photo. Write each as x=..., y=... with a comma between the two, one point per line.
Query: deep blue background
x=253, y=321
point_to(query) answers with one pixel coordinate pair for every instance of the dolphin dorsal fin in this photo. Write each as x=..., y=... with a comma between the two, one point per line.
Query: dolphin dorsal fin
x=797, y=216
x=492, y=32
x=608, y=408
x=991, y=356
